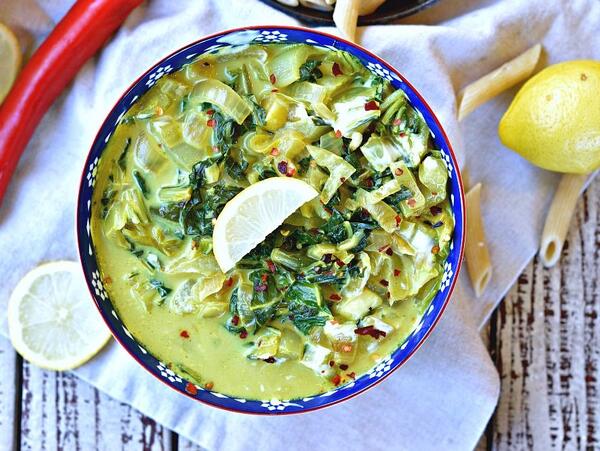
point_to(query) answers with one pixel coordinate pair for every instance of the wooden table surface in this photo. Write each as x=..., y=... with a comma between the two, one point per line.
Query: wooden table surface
x=545, y=340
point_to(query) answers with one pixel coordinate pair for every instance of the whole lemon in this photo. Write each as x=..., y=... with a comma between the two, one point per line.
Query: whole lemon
x=554, y=120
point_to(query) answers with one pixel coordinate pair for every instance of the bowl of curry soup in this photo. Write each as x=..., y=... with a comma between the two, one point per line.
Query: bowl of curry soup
x=335, y=298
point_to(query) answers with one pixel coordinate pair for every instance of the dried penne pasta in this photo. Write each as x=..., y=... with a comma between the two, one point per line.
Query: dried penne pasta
x=501, y=79
x=559, y=217
x=476, y=251
x=345, y=17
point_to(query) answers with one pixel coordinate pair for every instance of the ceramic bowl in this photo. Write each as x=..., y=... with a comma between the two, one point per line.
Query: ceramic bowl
x=161, y=370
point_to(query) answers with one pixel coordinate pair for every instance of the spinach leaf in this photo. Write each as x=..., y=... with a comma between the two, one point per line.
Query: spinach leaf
x=335, y=229
x=303, y=301
x=310, y=71
x=160, y=287
x=140, y=182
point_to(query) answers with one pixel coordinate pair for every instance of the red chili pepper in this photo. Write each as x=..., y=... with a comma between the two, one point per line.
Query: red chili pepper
x=398, y=219
x=77, y=37
x=184, y=334
x=229, y=282
x=336, y=70
x=338, y=134
x=398, y=171
x=384, y=282
x=397, y=122
x=336, y=380
x=335, y=297
x=243, y=334
x=371, y=105
x=211, y=123
x=371, y=331
x=210, y=112
x=235, y=320
x=274, y=151
x=389, y=251
x=271, y=266
x=396, y=272
x=191, y=388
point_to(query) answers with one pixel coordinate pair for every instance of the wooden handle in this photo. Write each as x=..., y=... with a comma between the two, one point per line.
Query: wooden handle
x=559, y=217
x=76, y=38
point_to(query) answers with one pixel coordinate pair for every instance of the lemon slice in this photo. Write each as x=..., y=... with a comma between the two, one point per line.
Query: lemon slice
x=51, y=319
x=10, y=60
x=255, y=212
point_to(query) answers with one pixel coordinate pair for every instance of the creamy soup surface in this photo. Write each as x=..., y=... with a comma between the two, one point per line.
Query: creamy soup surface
x=333, y=290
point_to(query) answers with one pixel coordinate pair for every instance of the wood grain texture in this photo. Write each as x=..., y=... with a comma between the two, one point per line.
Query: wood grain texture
x=60, y=412
x=8, y=394
x=547, y=347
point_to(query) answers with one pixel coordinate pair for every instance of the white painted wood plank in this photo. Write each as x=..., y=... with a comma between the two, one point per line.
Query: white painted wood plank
x=8, y=394
x=185, y=445
x=60, y=412
x=548, y=347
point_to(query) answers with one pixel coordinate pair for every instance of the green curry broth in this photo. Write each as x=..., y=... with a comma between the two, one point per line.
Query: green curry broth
x=299, y=315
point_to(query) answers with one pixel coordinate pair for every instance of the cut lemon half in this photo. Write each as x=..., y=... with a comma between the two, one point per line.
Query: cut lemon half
x=255, y=212
x=10, y=60
x=51, y=319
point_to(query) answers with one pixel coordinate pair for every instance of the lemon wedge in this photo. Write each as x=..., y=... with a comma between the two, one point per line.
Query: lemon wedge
x=10, y=60
x=52, y=321
x=255, y=212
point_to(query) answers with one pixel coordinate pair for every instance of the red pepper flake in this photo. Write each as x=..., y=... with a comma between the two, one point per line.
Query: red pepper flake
x=398, y=219
x=398, y=171
x=435, y=249
x=274, y=151
x=384, y=282
x=343, y=367
x=371, y=105
x=338, y=134
x=243, y=334
x=331, y=363
x=271, y=266
x=369, y=182
x=215, y=149
x=273, y=79
x=351, y=375
x=184, y=334
x=209, y=385
x=335, y=297
x=282, y=166
x=384, y=248
x=371, y=331
x=107, y=280
x=290, y=172
x=389, y=251
x=340, y=263
x=401, y=134
x=396, y=272
x=210, y=112
x=336, y=380
x=411, y=202
x=235, y=320
x=435, y=210
x=211, y=123
x=336, y=70
x=269, y=360
x=260, y=288
x=191, y=388
x=263, y=278
x=229, y=282
x=397, y=122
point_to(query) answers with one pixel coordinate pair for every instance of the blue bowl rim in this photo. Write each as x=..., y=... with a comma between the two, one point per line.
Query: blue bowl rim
x=80, y=213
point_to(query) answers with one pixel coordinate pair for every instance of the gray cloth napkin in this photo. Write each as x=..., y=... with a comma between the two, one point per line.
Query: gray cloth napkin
x=443, y=397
